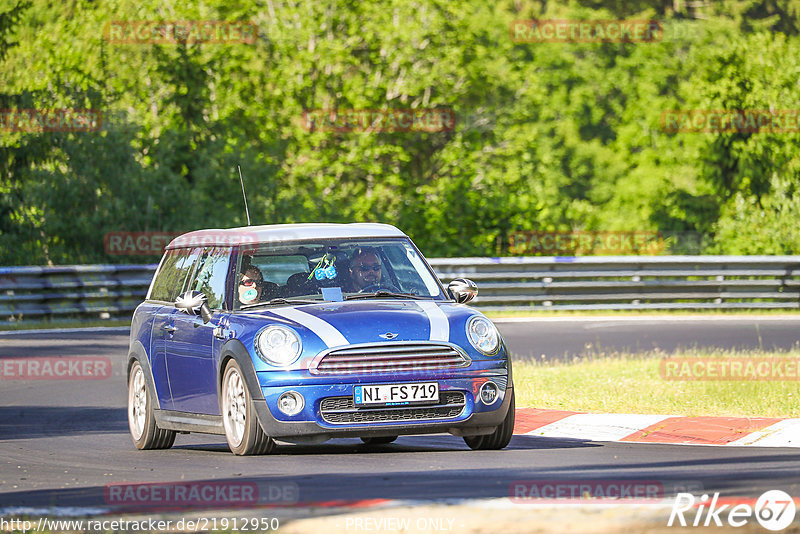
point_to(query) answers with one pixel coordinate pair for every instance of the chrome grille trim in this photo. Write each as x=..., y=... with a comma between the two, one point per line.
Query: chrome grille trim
x=393, y=356
x=342, y=410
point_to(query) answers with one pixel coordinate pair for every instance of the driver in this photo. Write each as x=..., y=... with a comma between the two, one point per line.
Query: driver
x=250, y=285
x=365, y=268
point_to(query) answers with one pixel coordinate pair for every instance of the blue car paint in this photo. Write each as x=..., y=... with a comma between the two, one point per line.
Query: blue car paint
x=362, y=321
x=161, y=317
x=190, y=361
x=185, y=364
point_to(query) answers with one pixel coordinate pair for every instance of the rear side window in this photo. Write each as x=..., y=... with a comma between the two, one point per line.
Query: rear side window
x=172, y=275
x=211, y=274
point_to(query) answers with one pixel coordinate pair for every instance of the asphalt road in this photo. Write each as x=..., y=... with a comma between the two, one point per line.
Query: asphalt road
x=559, y=338
x=66, y=443
x=556, y=338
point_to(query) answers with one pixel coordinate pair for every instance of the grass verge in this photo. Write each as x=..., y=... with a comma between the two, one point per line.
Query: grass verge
x=43, y=325
x=633, y=383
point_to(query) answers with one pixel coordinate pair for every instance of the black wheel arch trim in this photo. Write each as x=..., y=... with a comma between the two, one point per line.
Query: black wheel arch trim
x=235, y=349
x=139, y=353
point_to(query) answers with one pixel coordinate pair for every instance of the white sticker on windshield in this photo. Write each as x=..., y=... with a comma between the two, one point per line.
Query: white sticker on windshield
x=332, y=293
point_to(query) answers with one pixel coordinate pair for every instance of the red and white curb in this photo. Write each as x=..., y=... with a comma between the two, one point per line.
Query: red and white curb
x=632, y=428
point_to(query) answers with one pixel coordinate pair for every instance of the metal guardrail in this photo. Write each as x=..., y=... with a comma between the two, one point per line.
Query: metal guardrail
x=87, y=291
x=522, y=283
x=629, y=282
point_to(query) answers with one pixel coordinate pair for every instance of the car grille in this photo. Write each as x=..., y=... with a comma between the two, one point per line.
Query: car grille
x=390, y=358
x=342, y=410
x=501, y=381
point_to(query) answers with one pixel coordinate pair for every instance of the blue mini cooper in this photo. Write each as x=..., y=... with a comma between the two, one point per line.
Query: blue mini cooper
x=305, y=332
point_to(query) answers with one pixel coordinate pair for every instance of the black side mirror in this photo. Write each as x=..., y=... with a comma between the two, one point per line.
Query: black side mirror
x=462, y=290
x=194, y=303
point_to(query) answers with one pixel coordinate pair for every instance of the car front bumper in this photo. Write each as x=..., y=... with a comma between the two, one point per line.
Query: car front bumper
x=460, y=410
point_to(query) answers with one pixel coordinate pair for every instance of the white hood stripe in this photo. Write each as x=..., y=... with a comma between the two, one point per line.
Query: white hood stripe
x=326, y=331
x=440, y=325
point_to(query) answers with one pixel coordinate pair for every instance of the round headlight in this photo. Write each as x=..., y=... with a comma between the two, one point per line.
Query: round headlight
x=278, y=345
x=483, y=335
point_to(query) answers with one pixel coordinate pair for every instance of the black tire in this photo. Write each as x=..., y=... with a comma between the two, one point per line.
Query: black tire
x=383, y=440
x=144, y=431
x=498, y=439
x=242, y=430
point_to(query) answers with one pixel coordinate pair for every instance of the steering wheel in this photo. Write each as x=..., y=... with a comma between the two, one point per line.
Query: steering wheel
x=372, y=288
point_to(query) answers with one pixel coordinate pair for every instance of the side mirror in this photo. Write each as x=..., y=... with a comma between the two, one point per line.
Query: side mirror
x=194, y=303
x=462, y=290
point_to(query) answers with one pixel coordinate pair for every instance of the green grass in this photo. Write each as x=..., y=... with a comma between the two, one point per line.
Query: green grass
x=40, y=325
x=626, y=383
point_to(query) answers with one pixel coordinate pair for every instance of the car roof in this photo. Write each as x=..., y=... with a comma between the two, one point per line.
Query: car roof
x=275, y=233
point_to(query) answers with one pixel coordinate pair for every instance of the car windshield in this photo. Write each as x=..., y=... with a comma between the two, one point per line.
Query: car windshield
x=334, y=270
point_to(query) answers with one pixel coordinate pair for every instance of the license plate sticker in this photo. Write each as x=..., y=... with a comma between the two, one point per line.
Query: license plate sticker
x=395, y=394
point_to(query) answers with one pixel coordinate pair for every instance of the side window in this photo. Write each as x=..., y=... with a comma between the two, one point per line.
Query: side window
x=211, y=275
x=168, y=275
x=172, y=276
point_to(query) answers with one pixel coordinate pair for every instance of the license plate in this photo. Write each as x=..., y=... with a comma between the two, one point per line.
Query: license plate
x=387, y=394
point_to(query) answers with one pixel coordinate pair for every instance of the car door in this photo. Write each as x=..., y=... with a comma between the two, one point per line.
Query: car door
x=190, y=356
x=168, y=284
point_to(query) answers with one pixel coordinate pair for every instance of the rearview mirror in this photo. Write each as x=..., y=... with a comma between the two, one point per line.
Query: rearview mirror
x=462, y=290
x=194, y=303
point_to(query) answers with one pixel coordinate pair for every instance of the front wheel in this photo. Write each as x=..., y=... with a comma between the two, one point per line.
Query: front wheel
x=142, y=422
x=242, y=430
x=501, y=435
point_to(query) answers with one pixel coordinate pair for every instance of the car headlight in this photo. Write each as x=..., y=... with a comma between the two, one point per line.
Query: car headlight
x=483, y=335
x=278, y=345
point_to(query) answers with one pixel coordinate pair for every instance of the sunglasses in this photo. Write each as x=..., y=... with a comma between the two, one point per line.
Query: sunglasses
x=248, y=282
x=366, y=268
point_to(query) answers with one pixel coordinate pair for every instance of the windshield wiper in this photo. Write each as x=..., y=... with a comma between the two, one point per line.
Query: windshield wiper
x=279, y=300
x=384, y=293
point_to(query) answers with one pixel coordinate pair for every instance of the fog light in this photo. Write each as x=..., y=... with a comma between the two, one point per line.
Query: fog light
x=291, y=403
x=489, y=393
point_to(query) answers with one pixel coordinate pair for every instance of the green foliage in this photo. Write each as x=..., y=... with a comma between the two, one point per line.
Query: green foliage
x=548, y=136
x=764, y=226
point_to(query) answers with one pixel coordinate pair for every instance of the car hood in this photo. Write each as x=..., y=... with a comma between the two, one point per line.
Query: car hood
x=375, y=321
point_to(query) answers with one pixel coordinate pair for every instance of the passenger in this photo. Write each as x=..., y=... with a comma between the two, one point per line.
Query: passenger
x=250, y=285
